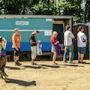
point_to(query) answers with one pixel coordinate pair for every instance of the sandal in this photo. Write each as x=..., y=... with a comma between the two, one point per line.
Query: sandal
x=79, y=62
x=34, y=63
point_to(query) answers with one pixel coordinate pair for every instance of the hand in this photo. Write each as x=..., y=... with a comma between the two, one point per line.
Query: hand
x=57, y=42
x=38, y=41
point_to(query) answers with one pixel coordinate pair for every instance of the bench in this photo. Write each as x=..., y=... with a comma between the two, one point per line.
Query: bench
x=50, y=54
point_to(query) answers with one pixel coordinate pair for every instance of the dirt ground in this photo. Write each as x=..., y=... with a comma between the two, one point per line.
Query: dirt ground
x=45, y=76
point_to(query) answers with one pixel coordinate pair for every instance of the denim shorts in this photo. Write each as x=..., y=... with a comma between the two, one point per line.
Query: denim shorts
x=82, y=50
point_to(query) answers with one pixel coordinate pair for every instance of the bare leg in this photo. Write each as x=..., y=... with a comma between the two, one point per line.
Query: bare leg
x=32, y=61
x=79, y=57
x=82, y=57
x=54, y=57
x=14, y=57
x=17, y=58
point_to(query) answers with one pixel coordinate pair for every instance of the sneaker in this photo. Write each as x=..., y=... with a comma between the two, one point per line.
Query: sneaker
x=18, y=63
x=65, y=61
x=72, y=63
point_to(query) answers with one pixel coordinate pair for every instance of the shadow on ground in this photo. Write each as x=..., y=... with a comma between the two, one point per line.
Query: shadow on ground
x=12, y=68
x=51, y=66
x=73, y=65
x=22, y=83
x=34, y=66
x=86, y=63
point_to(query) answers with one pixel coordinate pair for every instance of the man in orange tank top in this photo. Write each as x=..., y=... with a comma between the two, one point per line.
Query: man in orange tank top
x=16, y=39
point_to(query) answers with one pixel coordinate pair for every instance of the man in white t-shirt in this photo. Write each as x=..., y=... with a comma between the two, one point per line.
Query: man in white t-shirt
x=68, y=36
x=82, y=42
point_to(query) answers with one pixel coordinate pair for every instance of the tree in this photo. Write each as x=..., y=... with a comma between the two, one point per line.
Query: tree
x=44, y=8
x=17, y=6
x=87, y=11
x=47, y=7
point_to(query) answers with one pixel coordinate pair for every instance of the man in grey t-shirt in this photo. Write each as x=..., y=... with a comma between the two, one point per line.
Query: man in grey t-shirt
x=68, y=36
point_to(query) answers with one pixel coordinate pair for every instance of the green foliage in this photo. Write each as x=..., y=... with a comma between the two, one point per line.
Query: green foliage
x=47, y=7
x=17, y=6
x=72, y=7
x=65, y=7
x=43, y=8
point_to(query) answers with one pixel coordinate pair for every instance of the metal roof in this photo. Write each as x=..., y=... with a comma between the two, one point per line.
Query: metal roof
x=35, y=16
x=80, y=24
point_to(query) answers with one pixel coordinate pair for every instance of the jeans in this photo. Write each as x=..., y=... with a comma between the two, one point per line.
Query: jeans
x=69, y=49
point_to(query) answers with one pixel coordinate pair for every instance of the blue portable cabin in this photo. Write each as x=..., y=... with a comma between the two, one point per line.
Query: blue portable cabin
x=28, y=23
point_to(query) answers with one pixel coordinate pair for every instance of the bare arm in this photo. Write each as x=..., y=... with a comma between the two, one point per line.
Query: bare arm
x=72, y=36
x=20, y=38
x=85, y=39
x=13, y=40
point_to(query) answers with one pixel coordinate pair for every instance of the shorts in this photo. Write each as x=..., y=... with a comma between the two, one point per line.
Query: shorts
x=33, y=52
x=17, y=52
x=82, y=50
x=53, y=49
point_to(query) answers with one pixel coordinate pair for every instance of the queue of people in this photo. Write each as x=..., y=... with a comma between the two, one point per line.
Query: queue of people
x=68, y=47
